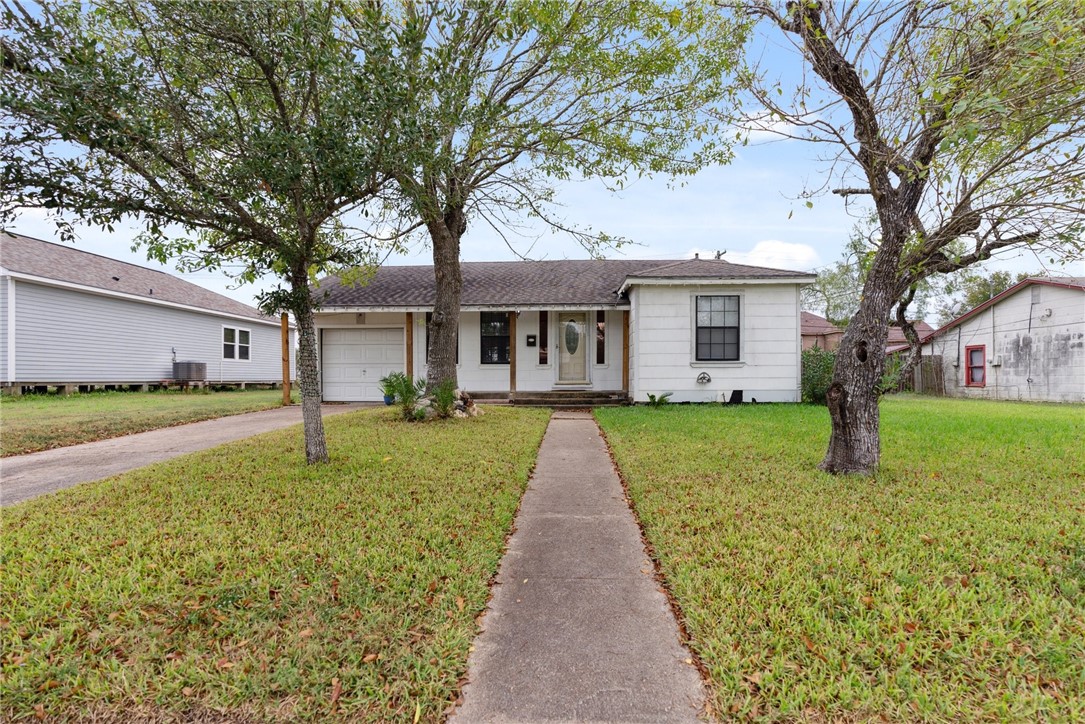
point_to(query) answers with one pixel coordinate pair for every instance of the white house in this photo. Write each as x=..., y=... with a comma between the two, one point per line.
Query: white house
x=1027, y=343
x=703, y=330
x=69, y=318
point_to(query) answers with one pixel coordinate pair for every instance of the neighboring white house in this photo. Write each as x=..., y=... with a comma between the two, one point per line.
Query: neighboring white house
x=1027, y=343
x=70, y=318
x=700, y=329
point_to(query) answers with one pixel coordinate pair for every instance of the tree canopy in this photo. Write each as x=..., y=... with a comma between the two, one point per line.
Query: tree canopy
x=962, y=123
x=509, y=98
x=234, y=133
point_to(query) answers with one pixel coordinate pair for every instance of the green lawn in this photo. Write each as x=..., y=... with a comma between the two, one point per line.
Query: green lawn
x=41, y=422
x=951, y=587
x=240, y=584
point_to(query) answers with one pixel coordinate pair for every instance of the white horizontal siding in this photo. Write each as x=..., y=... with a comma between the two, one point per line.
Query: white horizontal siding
x=1031, y=354
x=70, y=336
x=4, y=281
x=662, y=338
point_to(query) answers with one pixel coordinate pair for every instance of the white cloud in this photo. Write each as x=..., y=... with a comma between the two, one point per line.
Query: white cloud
x=770, y=253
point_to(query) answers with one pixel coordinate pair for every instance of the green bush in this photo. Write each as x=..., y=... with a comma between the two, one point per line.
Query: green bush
x=406, y=391
x=444, y=399
x=817, y=374
x=660, y=400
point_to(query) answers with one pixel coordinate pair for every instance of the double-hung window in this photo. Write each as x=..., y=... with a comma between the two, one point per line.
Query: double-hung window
x=975, y=366
x=235, y=343
x=717, y=328
x=494, y=348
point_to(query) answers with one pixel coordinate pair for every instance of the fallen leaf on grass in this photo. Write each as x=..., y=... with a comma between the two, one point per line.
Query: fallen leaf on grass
x=926, y=538
x=119, y=542
x=188, y=691
x=369, y=658
x=305, y=633
x=868, y=601
x=39, y=711
x=812, y=648
x=337, y=691
x=460, y=602
x=225, y=663
x=910, y=627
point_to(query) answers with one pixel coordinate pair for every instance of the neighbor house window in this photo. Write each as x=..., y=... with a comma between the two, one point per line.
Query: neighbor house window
x=235, y=343
x=494, y=348
x=600, y=337
x=975, y=366
x=544, y=338
x=717, y=328
x=429, y=318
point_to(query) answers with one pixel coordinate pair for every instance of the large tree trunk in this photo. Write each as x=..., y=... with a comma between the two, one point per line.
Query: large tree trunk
x=444, y=324
x=855, y=444
x=316, y=447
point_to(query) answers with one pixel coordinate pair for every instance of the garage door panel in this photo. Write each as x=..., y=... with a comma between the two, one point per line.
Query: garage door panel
x=354, y=360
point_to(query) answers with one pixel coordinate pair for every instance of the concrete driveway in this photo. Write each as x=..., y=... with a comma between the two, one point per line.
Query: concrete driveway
x=23, y=477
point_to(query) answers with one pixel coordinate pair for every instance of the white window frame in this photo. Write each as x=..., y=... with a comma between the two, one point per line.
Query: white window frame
x=693, y=361
x=236, y=343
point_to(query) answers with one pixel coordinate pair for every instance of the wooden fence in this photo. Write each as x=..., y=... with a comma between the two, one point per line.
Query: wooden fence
x=926, y=378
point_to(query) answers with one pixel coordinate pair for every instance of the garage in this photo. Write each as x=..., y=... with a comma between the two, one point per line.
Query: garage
x=354, y=360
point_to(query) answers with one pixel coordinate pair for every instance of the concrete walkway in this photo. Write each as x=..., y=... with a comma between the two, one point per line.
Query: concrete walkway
x=577, y=629
x=27, y=476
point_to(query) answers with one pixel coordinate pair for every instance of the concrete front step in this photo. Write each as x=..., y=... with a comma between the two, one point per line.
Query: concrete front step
x=570, y=399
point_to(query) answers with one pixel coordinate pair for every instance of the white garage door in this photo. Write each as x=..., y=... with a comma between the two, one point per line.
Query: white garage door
x=354, y=360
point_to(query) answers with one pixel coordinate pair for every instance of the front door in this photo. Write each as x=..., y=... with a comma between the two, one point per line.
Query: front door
x=573, y=348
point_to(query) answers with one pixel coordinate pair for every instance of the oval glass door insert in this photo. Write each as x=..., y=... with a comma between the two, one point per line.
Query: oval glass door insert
x=572, y=337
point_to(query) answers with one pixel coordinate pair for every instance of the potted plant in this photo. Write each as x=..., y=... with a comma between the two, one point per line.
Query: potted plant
x=388, y=388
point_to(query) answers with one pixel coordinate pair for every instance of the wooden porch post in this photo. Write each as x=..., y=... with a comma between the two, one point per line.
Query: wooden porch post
x=410, y=346
x=625, y=351
x=512, y=354
x=284, y=323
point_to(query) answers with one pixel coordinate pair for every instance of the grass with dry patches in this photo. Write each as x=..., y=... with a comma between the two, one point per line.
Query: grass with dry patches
x=41, y=422
x=240, y=583
x=948, y=587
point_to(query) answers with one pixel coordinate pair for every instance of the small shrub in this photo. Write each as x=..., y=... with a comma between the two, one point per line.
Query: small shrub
x=817, y=374
x=894, y=366
x=407, y=393
x=444, y=399
x=388, y=384
x=659, y=400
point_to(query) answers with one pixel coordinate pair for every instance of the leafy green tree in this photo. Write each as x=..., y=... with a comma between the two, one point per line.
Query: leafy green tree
x=962, y=122
x=237, y=134
x=509, y=97
x=972, y=288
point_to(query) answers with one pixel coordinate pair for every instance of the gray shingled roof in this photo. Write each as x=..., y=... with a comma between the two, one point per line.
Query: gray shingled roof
x=593, y=282
x=34, y=257
x=713, y=269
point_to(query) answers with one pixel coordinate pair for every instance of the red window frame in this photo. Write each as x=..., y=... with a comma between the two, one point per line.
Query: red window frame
x=969, y=366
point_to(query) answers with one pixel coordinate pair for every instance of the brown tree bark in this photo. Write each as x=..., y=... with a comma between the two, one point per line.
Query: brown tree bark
x=316, y=448
x=445, y=233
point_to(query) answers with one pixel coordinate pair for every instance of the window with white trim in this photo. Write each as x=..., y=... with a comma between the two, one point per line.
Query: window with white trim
x=235, y=343
x=717, y=321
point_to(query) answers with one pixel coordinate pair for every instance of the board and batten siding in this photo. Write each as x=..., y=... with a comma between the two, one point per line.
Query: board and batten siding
x=1034, y=347
x=66, y=335
x=663, y=356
